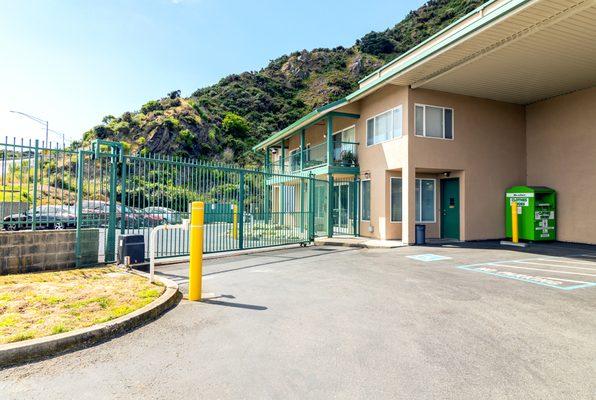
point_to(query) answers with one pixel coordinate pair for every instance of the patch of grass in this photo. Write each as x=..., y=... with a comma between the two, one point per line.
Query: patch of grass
x=148, y=294
x=59, y=329
x=48, y=303
x=4, y=297
x=9, y=320
x=20, y=336
x=103, y=302
x=121, y=310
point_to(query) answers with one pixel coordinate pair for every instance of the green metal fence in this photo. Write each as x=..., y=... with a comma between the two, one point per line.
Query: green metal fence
x=45, y=187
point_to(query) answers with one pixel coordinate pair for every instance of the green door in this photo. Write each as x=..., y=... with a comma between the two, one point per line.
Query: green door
x=450, y=208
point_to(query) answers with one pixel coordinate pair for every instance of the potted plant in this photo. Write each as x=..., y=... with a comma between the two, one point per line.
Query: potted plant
x=347, y=158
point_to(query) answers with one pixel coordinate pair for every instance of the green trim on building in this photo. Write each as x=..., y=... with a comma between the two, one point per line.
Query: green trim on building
x=298, y=124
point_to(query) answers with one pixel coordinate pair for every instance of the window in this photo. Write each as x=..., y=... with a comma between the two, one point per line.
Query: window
x=383, y=127
x=346, y=135
x=425, y=200
x=435, y=122
x=343, y=143
x=366, y=200
x=396, y=199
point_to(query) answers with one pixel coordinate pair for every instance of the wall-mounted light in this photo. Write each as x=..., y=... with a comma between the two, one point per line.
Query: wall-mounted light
x=367, y=175
x=447, y=174
x=273, y=151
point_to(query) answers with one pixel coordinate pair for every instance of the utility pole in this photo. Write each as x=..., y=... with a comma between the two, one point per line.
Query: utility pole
x=38, y=120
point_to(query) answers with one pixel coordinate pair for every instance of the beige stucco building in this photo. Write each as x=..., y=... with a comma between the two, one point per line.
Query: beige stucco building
x=505, y=96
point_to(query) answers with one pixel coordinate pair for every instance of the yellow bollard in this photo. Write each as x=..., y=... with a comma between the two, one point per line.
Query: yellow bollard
x=514, y=224
x=195, y=273
x=235, y=223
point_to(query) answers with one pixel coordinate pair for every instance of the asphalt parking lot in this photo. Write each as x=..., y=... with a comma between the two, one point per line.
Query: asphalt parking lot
x=473, y=321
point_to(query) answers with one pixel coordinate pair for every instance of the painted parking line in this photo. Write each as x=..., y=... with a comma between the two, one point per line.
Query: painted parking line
x=568, y=261
x=428, y=257
x=541, y=271
x=548, y=264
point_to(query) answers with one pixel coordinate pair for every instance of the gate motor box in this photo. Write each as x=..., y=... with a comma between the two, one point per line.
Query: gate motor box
x=132, y=246
x=536, y=210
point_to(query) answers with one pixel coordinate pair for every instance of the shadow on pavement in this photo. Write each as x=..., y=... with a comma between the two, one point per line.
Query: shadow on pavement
x=234, y=305
x=285, y=259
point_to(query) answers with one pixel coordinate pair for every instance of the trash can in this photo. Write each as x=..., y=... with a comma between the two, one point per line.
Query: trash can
x=420, y=234
x=132, y=246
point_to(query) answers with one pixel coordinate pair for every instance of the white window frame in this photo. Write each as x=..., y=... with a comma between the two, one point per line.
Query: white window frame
x=424, y=121
x=434, y=220
x=391, y=221
x=362, y=202
x=392, y=127
x=345, y=129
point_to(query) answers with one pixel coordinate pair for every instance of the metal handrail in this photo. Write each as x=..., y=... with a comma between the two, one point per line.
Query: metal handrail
x=315, y=156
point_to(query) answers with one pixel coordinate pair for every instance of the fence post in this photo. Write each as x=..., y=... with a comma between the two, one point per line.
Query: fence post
x=235, y=221
x=123, y=195
x=35, y=173
x=301, y=206
x=268, y=204
x=311, y=208
x=282, y=193
x=330, y=204
x=355, y=210
x=111, y=236
x=79, y=214
x=241, y=213
x=302, y=148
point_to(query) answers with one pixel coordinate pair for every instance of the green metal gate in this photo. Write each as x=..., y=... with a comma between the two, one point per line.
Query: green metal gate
x=245, y=208
x=103, y=190
x=97, y=206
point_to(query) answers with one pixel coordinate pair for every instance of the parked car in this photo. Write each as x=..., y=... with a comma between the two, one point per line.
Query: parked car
x=167, y=215
x=46, y=217
x=96, y=213
x=139, y=218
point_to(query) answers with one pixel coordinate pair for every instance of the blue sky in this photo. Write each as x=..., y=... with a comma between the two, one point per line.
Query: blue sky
x=73, y=61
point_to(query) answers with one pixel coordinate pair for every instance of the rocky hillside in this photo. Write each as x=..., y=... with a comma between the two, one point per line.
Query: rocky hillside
x=222, y=122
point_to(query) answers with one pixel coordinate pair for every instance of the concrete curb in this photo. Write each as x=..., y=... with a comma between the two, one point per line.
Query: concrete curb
x=30, y=350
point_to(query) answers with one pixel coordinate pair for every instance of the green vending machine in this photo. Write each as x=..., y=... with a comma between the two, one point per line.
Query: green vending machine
x=536, y=210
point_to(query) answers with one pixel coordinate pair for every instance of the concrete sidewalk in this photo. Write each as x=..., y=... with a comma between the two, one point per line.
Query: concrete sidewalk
x=332, y=322
x=359, y=242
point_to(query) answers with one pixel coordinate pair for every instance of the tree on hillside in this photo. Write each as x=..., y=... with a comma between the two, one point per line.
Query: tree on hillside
x=376, y=43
